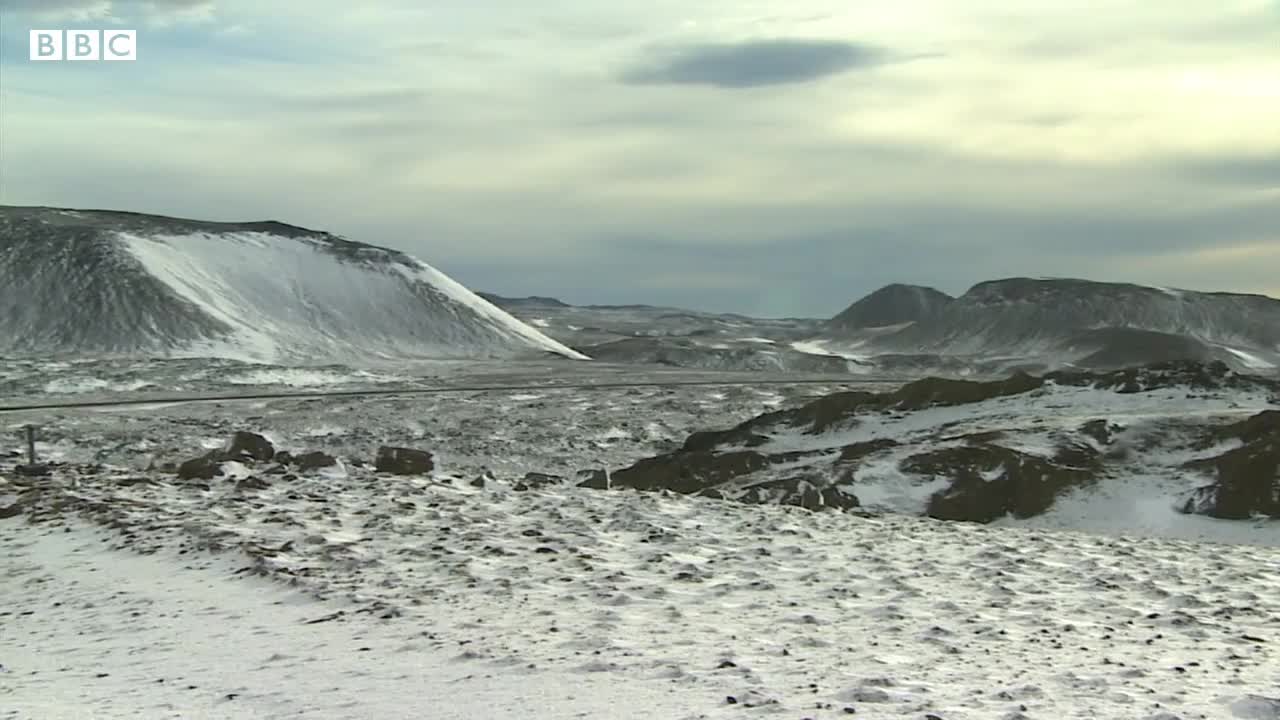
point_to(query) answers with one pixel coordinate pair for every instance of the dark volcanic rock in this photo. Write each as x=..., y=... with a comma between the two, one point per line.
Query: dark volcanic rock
x=1247, y=478
x=989, y=482
x=249, y=445
x=942, y=392
x=205, y=467
x=596, y=479
x=36, y=470
x=403, y=461
x=689, y=472
x=810, y=493
x=858, y=451
x=537, y=481
x=314, y=461
x=1100, y=430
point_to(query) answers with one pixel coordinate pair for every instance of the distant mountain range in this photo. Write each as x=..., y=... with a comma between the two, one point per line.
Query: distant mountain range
x=999, y=325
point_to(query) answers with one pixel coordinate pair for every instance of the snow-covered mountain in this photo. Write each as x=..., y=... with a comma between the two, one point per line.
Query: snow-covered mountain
x=76, y=282
x=1091, y=324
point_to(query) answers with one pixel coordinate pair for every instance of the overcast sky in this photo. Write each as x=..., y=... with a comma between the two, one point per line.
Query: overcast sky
x=758, y=156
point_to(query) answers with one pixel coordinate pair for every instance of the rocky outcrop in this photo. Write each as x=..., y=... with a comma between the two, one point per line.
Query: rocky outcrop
x=811, y=492
x=815, y=455
x=1246, y=478
x=988, y=482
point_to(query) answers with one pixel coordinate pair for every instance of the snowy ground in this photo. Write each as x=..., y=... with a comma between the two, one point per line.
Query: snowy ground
x=136, y=595
x=95, y=633
x=575, y=603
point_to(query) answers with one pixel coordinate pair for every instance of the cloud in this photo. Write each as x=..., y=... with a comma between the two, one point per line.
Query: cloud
x=1259, y=170
x=511, y=141
x=756, y=63
x=156, y=11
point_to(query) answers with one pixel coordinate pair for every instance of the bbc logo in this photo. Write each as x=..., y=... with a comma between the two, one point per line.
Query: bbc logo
x=84, y=44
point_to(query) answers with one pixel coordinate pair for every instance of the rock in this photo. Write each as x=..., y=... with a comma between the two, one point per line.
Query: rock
x=858, y=451
x=205, y=467
x=1100, y=430
x=935, y=392
x=1246, y=478
x=810, y=493
x=537, y=481
x=403, y=461
x=284, y=457
x=989, y=482
x=314, y=461
x=252, y=483
x=689, y=472
x=596, y=479
x=36, y=470
x=11, y=511
x=247, y=445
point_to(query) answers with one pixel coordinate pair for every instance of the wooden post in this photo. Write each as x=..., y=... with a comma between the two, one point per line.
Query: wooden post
x=31, y=444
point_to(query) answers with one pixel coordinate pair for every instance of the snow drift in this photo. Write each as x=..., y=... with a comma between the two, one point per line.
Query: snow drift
x=102, y=282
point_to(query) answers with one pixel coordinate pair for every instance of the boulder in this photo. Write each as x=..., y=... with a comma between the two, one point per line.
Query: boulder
x=36, y=470
x=403, y=461
x=252, y=446
x=314, y=460
x=205, y=467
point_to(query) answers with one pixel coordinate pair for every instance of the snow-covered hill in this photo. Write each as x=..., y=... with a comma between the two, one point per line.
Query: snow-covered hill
x=85, y=282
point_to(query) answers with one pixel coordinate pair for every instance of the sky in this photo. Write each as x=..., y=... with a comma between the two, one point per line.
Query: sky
x=763, y=157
